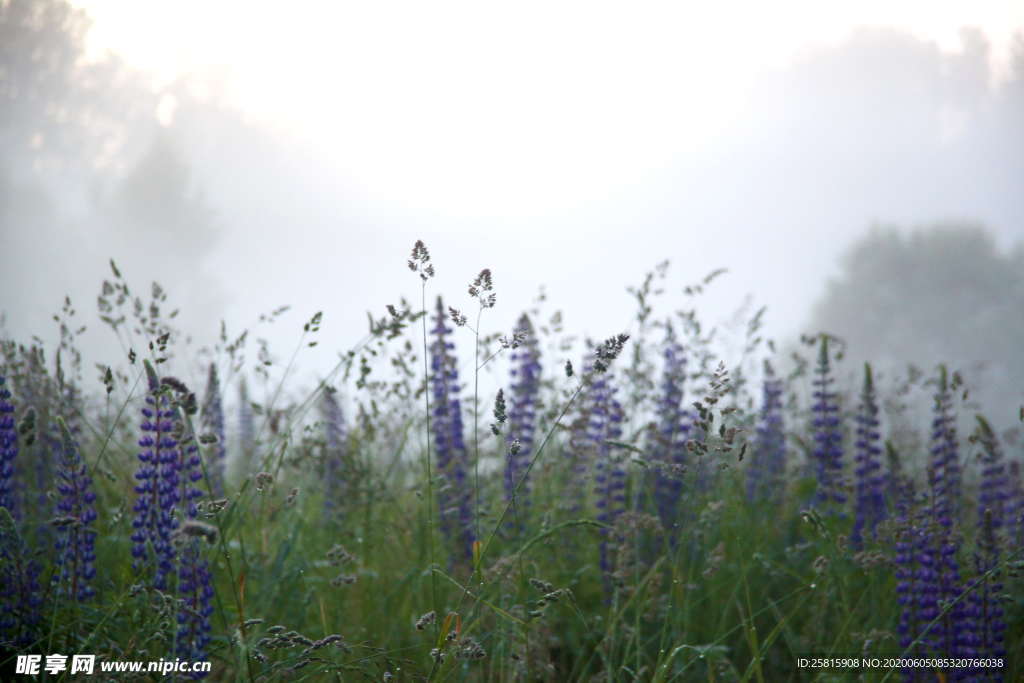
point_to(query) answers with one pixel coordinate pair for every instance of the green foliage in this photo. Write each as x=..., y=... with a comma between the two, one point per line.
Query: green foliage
x=375, y=590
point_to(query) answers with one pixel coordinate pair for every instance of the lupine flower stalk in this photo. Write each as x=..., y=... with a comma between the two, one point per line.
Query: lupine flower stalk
x=828, y=432
x=195, y=589
x=994, y=495
x=909, y=529
x=169, y=476
x=987, y=623
x=8, y=447
x=76, y=512
x=1015, y=508
x=246, y=426
x=335, y=446
x=522, y=416
x=765, y=476
x=605, y=424
x=156, y=488
x=671, y=432
x=986, y=614
x=952, y=631
x=20, y=593
x=452, y=456
x=213, y=422
x=869, y=477
x=944, y=464
x=917, y=588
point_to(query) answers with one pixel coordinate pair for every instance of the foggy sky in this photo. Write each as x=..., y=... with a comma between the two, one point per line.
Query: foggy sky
x=884, y=127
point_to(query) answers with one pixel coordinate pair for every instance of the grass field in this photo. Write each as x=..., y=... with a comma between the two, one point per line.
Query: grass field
x=638, y=509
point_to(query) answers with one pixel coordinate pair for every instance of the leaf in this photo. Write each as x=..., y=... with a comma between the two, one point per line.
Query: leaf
x=627, y=446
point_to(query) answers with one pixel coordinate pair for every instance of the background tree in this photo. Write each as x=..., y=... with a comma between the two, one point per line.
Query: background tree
x=945, y=293
x=90, y=170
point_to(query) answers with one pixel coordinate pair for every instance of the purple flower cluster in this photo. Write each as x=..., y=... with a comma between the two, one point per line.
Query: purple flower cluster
x=20, y=593
x=446, y=422
x=76, y=539
x=335, y=445
x=604, y=425
x=8, y=447
x=987, y=627
x=195, y=591
x=672, y=431
x=1015, y=507
x=154, y=521
x=994, y=496
x=169, y=473
x=213, y=422
x=944, y=465
x=828, y=432
x=944, y=503
x=869, y=507
x=522, y=417
x=246, y=425
x=765, y=476
x=917, y=586
x=929, y=580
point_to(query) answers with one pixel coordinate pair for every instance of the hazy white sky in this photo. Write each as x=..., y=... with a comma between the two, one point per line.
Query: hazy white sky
x=572, y=145
x=450, y=105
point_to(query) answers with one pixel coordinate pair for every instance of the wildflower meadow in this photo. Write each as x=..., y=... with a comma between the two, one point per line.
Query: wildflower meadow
x=454, y=502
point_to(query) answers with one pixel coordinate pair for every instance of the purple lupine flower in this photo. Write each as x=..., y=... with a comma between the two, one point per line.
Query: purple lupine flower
x=765, y=475
x=246, y=426
x=335, y=446
x=928, y=580
x=36, y=389
x=870, y=480
x=944, y=464
x=673, y=428
x=994, y=495
x=828, y=432
x=76, y=539
x=1015, y=508
x=581, y=455
x=927, y=587
x=20, y=593
x=157, y=485
x=452, y=457
x=908, y=529
x=8, y=447
x=169, y=476
x=917, y=582
x=605, y=424
x=944, y=484
x=195, y=591
x=188, y=473
x=213, y=422
x=522, y=416
x=985, y=612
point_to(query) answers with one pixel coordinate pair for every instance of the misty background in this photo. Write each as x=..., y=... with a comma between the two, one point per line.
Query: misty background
x=869, y=185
